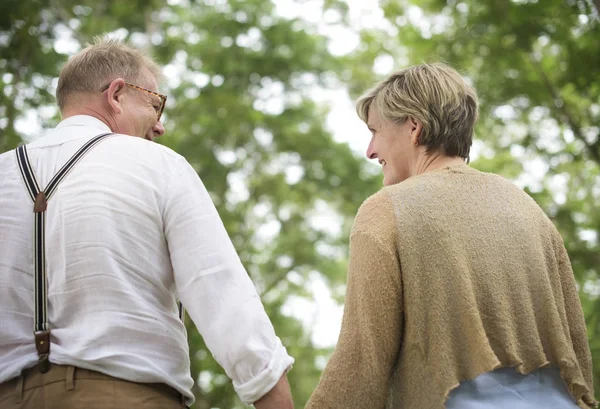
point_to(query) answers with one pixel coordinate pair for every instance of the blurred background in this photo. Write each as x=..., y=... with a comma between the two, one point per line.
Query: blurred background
x=261, y=103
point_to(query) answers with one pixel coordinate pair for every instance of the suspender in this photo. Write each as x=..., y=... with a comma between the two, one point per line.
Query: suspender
x=40, y=199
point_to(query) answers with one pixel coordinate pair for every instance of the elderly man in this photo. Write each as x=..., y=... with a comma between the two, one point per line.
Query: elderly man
x=101, y=233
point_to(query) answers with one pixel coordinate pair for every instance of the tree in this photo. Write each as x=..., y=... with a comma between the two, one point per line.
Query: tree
x=533, y=64
x=239, y=109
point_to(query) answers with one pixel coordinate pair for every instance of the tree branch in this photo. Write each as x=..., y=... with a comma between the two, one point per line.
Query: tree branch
x=560, y=107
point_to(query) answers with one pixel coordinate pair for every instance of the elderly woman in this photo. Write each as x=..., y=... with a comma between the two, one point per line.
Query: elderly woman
x=460, y=291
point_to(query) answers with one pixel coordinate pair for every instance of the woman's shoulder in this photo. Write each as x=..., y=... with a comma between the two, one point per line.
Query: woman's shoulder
x=375, y=214
x=377, y=201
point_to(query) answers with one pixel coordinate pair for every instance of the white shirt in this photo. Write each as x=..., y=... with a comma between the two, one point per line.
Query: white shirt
x=129, y=231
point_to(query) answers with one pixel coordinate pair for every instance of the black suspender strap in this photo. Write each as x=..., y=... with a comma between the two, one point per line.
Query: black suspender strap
x=181, y=312
x=40, y=200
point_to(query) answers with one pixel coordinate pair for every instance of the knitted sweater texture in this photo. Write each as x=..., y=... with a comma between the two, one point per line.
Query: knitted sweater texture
x=453, y=273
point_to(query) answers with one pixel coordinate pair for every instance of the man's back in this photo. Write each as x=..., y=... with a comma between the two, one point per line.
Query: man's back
x=128, y=225
x=110, y=284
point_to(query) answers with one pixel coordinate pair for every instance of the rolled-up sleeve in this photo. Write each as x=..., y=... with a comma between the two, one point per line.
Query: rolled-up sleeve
x=216, y=290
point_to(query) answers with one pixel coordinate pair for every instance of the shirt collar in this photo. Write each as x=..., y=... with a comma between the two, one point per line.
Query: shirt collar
x=72, y=128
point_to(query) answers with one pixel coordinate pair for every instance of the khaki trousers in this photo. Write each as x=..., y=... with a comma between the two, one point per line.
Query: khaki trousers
x=68, y=387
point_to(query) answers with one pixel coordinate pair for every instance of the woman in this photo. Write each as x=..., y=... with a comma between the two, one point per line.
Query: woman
x=460, y=291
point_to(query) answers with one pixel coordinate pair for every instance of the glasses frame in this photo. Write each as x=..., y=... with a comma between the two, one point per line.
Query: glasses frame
x=163, y=98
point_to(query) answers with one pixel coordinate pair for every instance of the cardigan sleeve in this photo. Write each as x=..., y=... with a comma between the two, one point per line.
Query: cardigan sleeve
x=359, y=371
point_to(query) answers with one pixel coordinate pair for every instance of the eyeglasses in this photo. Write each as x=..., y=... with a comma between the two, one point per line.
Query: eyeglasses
x=163, y=98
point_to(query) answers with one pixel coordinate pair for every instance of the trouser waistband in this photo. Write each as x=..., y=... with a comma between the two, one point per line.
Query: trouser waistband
x=32, y=378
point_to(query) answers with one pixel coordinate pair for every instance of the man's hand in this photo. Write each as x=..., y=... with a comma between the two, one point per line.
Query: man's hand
x=279, y=397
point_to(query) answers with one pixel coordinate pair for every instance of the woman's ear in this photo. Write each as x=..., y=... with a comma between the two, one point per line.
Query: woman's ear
x=415, y=130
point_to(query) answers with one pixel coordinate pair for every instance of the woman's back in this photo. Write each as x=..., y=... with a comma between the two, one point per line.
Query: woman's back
x=486, y=283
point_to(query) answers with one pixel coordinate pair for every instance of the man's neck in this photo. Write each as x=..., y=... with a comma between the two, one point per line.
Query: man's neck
x=89, y=111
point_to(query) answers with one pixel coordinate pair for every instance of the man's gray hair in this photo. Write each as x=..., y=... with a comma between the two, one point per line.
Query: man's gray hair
x=100, y=63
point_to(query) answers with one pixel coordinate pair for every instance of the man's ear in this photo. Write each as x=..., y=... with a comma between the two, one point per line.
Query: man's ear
x=114, y=95
x=415, y=130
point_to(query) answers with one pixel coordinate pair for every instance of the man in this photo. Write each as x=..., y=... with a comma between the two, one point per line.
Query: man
x=128, y=231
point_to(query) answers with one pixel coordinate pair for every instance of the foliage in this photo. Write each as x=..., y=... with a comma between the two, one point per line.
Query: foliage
x=239, y=78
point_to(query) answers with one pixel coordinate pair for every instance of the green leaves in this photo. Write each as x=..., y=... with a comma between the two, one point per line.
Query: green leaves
x=239, y=78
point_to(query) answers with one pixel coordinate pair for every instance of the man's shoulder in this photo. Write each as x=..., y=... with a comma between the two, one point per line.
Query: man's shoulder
x=128, y=141
x=138, y=149
x=132, y=157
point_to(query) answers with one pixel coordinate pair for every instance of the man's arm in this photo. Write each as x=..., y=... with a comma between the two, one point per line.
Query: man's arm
x=279, y=397
x=216, y=290
x=359, y=371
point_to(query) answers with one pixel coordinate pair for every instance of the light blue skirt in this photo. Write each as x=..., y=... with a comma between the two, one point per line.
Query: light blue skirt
x=506, y=388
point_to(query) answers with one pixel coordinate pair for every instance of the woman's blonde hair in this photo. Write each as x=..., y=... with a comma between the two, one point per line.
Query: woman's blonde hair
x=434, y=95
x=100, y=63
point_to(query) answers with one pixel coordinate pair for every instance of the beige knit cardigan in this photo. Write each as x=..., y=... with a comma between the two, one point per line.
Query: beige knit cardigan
x=452, y=273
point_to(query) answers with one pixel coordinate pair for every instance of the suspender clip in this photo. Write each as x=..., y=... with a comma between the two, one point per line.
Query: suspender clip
x=43, y=364
x=42, y=344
